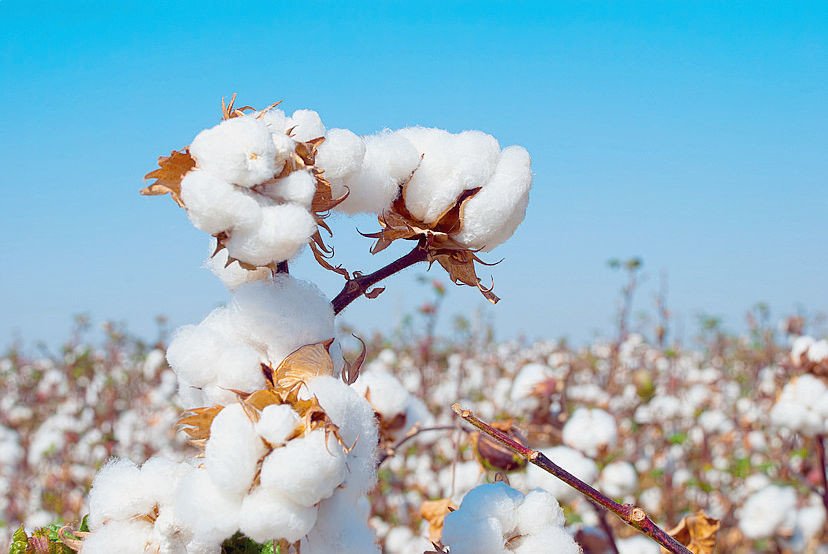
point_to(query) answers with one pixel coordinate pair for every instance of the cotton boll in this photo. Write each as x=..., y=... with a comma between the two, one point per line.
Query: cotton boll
x=340, y=156
x=306, y=469
x=768, y=511
x=492, y=215
x=233, y=275
x=214, y=205
x=571, y=460
x=527, y=379
x=233, y=450
x=386, y=394
x=342, y=526
x=211, y=514
x=118, y=493
x=282, y=232
x=160, y=476
x=590, y=431
x=307, y=125
x=238, y=150
x=299, y=188
x=496, y=500
x=276, y=423
x=388, y=161
x=192, y=354
x=450, y=165
x=800, y=347
x=619, y=479
x=239, y=368
x=550, y=539
x=275, y=120
x=266, y=515
x=467, y=535
x=539, y=510
x=124, y=537
x=818, y=351
x=282, y=315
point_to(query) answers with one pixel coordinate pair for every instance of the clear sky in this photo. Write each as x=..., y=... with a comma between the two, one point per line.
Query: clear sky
x=692, y=134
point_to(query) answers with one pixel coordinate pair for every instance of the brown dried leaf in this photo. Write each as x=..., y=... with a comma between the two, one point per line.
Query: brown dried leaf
x=302, y=364
x=697, y=532
x=254, y=403
x=350, y=370
x=196, y=422
x=171, y=169
x=435, y=512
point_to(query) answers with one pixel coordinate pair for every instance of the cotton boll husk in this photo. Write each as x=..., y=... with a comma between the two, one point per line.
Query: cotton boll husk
x=550, y=540
x=539, y=510
x=388, y=161
x=492, y=215
x=233, y=450
x=266, y=515
x=124, y=537
x=276, y=423
x=233, y=275
x=467, y=535
x=450, y=165
x=212, y=515
x=496, y=500
x=214, y=205
x=357, y=426
x=238, y=150
x=282, y=315
x=306, y=469
x=342, y=526
x=571, y=460
x=297, y=188
x=118, y=493
x=283, y=230
x=193, y=352
x=340, y=156
x=619, y=479
x=307, y=125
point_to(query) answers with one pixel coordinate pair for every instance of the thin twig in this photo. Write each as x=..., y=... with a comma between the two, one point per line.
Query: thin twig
x=820, y=444
x=605, y=526
x=631, y=515
x=359, y=285
x=390, y=451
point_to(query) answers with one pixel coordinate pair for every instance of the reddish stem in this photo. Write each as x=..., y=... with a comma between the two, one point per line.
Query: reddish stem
x=820, y=445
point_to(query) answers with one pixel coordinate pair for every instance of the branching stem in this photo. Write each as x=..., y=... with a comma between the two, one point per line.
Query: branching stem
x=631, y=515
x=820, y=444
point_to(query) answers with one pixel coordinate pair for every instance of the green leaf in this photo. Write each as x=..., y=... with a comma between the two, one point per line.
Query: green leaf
x=84, y=526
x=20, y=542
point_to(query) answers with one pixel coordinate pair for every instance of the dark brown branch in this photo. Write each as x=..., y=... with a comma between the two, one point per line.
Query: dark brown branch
x=359, y=285
x=820, y=444
x=631, y=515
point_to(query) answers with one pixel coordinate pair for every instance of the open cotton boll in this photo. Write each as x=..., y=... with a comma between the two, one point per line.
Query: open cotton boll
x=467, y=535
x=267, y=515
x=340, y=155
x=239, y=368
x=342, y=526
x=385, y=392
x=124, y=537
x=214, y=205
x=539, y=510
x=388, y=161
x=275, y=119
x=496, y=500
x=160, y=476
x=276, y=423
x=619, y=479
x=233, y=275
x=233, y=450
x=768, y=511
x=357, y=426
x=282, y=315
x=802, y=406
x=307, y=125
x=238, y=150
x=193, y=352
x=211, y=514
x=118, y=493
x=571, y=460
x=818, y=351
x=450, y=165
x=800, y=347
x=298, y=188
x=306, y=469
x=590, y=430
x=637, y=545
x=492, y=215
x=527, y=379
x=551, y=540
x=283, y=231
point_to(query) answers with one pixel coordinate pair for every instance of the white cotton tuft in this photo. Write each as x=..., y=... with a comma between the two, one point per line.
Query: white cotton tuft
x=233, y=275
x=118, y=493
x=550, y=539
x=802, y=406
x=275, y=120
x=340, y=156
x=467, y=535
x=497, y=500
x=192, y=354
x=160, y=477
x=299, y=188
x=768, y=511
x=238, y=150
x=276, y=423
x=818, y=351
x=307, y=125
x=233, y=450
x=492, y=215
x=618, y=479
x=124, y=537
x=212, y=515
x=539, y=510
x=342, y=526
x=267, y=515
x=385, y=392
x=283, y=230
x=306, y=469
x=590, y=430
x=214, y=205
x=571, y=460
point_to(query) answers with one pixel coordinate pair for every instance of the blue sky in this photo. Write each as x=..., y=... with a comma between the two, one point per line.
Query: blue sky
x=692, y=134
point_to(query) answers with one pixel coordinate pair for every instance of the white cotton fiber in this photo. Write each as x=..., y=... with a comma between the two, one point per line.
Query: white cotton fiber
x=283, y=230
x=342, y=526
x=496, y=500
x=193, y=352
x=282, y=315
x=539, y=510
x=802, y=406
x=232, y=275
x=275, y=120
x=494, y=213
x=768, y=511
x=618, y=479
x=388, y=161
x=307, y=125
x=118, y=493
x=239, y=151
x=276, y=423
x=571, y=460
x=590, y=430
x=239, y=368
x=306, y=469
x=160, y=476
x=233, y=451
x=818, y=351
x=209, y=513
x=267, y=515
x=451, y=164
x=297, y=188
x=384, y=391
x=550, y=540
x=467, y=535
x=215, y=205
x=124, y=537
x=340, y=155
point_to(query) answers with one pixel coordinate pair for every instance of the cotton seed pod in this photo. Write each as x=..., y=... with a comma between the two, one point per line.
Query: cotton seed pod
x=493, y=455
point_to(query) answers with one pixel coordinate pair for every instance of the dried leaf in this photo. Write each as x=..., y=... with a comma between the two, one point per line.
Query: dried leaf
x=196, y=422
x=171, y=169
x=304, y=363
x=435, y=512
x=350, y=370
x=697, y=532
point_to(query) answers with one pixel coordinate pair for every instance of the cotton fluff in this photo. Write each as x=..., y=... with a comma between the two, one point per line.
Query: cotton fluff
x=118, y=493
x=767, y=512
x=590, y=430
x=342, y=526
x=572, y=461
x=214, y=205
x=282, y=231
x=392, y=401
x=618, y=479
x=299, y=187
x=818, y=351
x=233, y=451
x=127, y=537
x=267, y=515
x=802, y=406
x=239, y=151
x=495, y=519
x=527, y=379
x=341, y=157
x=210, y=513
x=306, y=125
x=233, y=275
x=276, y=423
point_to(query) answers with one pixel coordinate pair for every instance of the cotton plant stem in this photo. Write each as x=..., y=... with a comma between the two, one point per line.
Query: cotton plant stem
x=605, y=526
x=390, y=451
x=820, y=445
x=631, y=515
x=358, y=285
